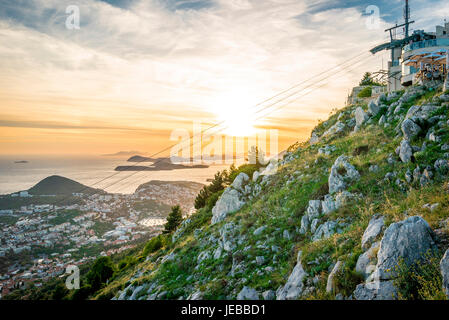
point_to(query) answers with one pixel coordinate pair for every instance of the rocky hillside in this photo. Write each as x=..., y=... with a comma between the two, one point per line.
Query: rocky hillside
x=360, y=211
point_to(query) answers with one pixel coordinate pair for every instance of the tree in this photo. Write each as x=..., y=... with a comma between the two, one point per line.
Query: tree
x=101, y=271
x=217, y=183
x=200, y=200
x=174, y=219
x=366, y=80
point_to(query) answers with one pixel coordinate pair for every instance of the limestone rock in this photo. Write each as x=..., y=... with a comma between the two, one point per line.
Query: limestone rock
x=373, y=108
x=409, y=239
x=342, y=172
x=374, y=229
x=239, y=181
x=335, y=129
x=330, y=287
x=410, y=129
x=444, y=268
x=360, y=117
x=248, y=293
x=405, y=151
x=314, y=209
x=228, y=202
x=326, y=230
x=378, y=290
x=269, y=295
x=294, y=286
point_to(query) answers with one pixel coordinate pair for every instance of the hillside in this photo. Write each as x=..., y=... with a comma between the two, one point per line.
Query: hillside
x=360, y=211
x=57, y=185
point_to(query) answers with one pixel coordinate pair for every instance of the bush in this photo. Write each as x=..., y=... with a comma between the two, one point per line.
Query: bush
x=153, y=245
x=346, y=280
x=420, y=281
x=100, y=272
x=365, y=93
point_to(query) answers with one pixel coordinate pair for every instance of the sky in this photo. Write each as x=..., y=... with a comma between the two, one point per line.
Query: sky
x=137, y=70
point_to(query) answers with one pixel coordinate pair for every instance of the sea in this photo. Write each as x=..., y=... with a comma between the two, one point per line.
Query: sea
x=94, y=171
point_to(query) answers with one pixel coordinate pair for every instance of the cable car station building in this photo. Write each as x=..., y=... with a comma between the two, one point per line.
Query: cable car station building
x=419, y=58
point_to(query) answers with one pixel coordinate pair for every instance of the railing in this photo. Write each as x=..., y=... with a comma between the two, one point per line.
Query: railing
x=427, y=44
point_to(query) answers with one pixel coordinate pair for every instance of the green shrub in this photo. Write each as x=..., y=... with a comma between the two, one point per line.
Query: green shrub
x=346, y=280
x=153, y=245
x=100, y=272
x=365, y=93
x=421, y=280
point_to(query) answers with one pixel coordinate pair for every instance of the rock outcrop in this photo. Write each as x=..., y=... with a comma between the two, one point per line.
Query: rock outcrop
x=342, y=172
x=294, y=286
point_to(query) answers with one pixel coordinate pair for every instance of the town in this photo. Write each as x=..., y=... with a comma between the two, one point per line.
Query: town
x=39, y=241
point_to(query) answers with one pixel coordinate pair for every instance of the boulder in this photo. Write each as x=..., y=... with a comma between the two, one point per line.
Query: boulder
x=410, y=129
x=409, y=240
x=373, y=108
x=239, y=181
x=269, y=295
x=294, y=286
x=326, y=230
x=444, y=268
x=227, y=236
x=360, y=117
x=377, y=290
x=366, y=261
x=405, y=151
x=314, y=209
x=330, y=286
x=342, y=172
x=228, y=202
x=259, y=231
x=441, y=166
x=328, y=205
x=314, y=138
x=248, y=293
x=304, y=224
x=256, y=175
x=335, y=129
x=375, y=227
x=420, y=113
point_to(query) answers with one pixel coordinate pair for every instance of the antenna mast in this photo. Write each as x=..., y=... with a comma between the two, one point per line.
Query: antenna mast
x=407, y=18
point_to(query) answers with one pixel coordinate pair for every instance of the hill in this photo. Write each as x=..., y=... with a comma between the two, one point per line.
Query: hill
x=359, y=211
x=57, y=185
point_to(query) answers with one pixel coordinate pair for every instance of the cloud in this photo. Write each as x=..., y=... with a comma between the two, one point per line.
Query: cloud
x=162, y=64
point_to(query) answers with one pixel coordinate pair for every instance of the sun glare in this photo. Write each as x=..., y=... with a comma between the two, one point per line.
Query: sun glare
x=237, y=111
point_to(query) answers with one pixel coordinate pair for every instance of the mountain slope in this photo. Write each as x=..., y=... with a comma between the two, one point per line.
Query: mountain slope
x=360, y=211
x=302, y=233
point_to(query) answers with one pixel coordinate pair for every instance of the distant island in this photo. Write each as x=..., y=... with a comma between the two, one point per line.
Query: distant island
x=158, y=164
x=21, y=161
x=160, y=167
x=122, y=153
x=141, y=159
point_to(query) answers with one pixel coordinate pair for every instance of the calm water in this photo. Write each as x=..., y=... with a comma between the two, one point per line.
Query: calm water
x=89, y=171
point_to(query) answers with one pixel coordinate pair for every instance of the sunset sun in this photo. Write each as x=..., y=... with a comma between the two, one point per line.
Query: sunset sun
x=237, y=113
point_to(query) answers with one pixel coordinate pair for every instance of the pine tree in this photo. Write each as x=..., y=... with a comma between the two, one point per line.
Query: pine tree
x=174, y=219
x=366, y=80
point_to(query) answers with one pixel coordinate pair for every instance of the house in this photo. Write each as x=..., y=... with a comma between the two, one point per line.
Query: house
x=419, y=58
x=426, y=59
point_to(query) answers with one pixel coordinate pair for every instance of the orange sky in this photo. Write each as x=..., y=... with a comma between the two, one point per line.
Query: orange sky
x=129, y=77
